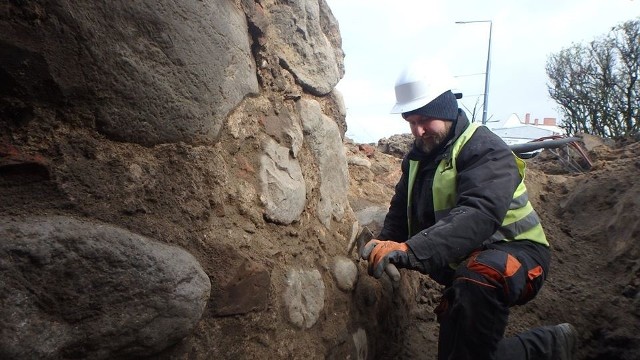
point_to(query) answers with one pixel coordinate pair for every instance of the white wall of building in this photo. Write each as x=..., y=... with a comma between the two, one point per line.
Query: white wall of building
x=514, y=131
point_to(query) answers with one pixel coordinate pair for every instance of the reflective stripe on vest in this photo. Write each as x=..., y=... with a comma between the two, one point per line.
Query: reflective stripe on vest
x=413, y=171
x=521, y=221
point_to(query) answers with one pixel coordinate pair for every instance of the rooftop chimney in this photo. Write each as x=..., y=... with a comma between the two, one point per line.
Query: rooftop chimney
x=527, y=118
x=549, y=121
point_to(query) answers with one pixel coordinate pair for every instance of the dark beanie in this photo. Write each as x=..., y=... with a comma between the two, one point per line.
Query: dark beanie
x=444, y=107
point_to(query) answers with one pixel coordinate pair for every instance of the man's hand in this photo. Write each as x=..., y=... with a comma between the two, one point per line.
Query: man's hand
x=382, y=253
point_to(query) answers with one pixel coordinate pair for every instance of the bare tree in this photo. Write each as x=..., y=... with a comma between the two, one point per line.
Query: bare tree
x=627, y=42
x=597, y=85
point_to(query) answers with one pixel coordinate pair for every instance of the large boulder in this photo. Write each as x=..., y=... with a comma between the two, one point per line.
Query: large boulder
x=300, y=32
x=145, y=71
x=71, y=288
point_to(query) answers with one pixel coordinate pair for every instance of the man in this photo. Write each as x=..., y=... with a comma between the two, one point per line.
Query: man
x=461, y=214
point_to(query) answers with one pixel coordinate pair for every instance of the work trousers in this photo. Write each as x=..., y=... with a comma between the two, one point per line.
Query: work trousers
x=474, y=308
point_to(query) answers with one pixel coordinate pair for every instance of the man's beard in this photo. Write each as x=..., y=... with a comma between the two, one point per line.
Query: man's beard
x=428, y=143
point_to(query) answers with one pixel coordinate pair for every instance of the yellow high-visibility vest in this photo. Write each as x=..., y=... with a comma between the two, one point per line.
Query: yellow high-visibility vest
x=521, y=221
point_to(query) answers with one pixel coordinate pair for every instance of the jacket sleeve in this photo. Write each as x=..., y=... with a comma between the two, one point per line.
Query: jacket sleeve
x=395, y=223
x=487, y=179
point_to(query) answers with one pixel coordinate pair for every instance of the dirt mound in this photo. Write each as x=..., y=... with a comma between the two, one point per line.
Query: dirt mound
x=592, y=220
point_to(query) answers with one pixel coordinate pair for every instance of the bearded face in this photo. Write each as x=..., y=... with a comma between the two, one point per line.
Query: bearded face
x=429, y=133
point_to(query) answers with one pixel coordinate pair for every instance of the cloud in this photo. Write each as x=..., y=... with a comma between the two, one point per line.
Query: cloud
x=364, y=93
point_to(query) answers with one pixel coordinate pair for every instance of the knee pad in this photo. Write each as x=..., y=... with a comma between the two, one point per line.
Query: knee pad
x=515, y=282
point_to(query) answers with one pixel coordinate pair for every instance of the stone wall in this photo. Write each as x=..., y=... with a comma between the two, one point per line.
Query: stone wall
x=174, y=184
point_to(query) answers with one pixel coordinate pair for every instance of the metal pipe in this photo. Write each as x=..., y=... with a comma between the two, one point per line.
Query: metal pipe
x=546, y=144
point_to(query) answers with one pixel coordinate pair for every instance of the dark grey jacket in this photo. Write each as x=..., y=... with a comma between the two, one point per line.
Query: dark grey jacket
x=487, y=178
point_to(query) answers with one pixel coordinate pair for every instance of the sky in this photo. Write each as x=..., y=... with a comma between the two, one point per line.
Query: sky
x=379, y=37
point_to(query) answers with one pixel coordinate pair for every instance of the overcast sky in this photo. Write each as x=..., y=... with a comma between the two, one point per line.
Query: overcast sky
x=380, y=36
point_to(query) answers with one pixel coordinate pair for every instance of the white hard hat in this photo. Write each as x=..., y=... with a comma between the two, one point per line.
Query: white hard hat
x=420, y=82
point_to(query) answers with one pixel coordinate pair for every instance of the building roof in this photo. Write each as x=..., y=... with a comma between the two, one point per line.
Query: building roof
x=514, y=131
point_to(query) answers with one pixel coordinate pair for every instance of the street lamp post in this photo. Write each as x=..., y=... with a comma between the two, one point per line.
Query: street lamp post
x=486, y=73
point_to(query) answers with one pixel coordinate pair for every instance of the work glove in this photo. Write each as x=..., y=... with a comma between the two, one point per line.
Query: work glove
x=380, y=253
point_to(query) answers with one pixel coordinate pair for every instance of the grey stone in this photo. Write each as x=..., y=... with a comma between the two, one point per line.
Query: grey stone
x=148, y=71
x=396, y=145
x=304, y=297
x=78, y=289
x=360, y=341
x=345, y=272
x=283, y=187
x=323, y=137
x=372, y=216
x=359, y=161
x=301, y=39
x=285, y=128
